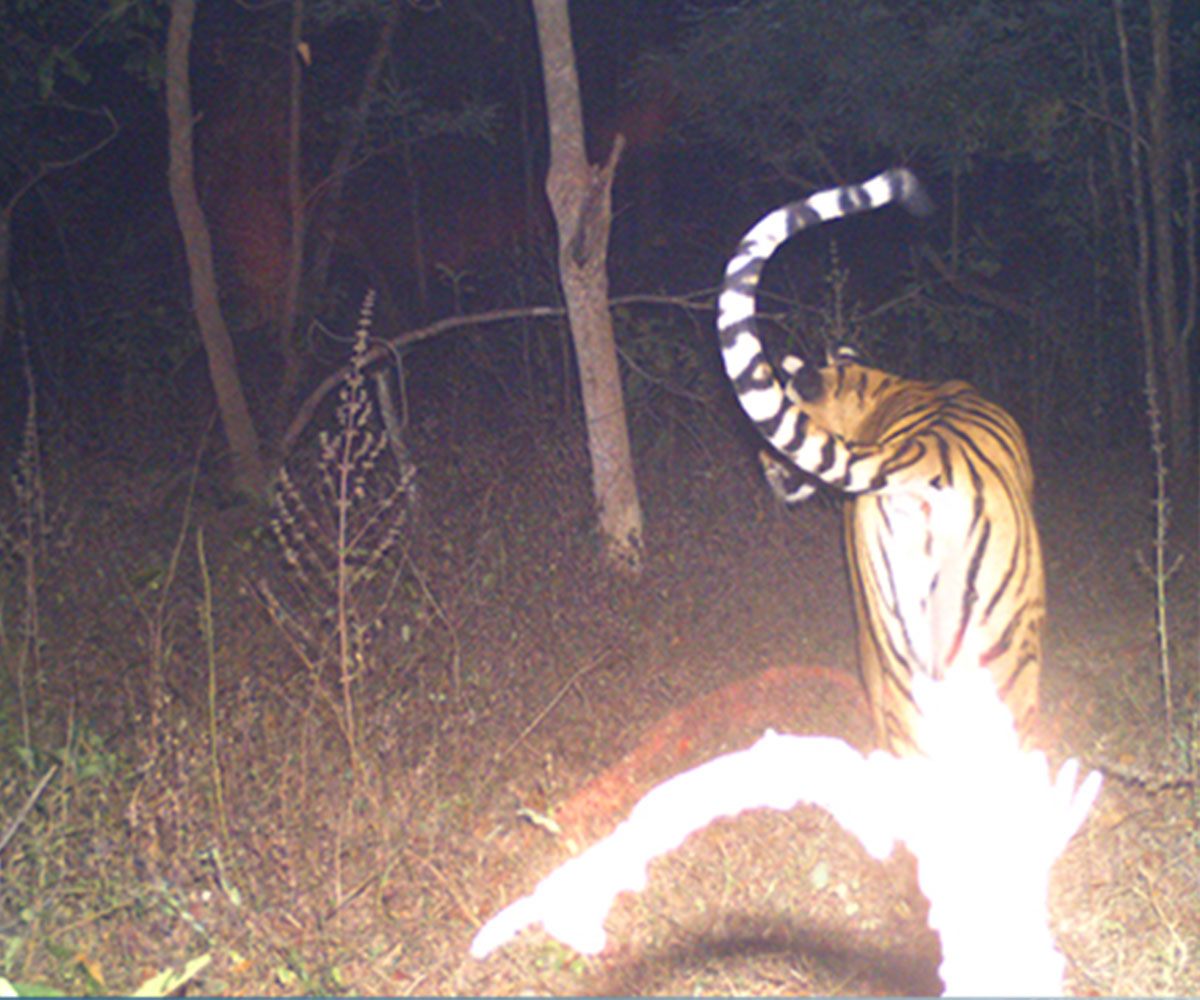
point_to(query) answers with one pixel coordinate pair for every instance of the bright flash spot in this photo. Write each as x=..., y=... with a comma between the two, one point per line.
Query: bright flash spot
x=984, y=819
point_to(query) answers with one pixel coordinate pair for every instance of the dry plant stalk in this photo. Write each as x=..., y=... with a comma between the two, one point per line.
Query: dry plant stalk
x=336, y=533
x=23, y=541
x=1163, y=568
x=209, y=635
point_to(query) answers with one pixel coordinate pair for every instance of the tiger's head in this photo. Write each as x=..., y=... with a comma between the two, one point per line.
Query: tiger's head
x=843, y=396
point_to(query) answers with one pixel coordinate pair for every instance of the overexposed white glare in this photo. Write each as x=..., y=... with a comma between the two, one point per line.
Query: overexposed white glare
x=984, y=819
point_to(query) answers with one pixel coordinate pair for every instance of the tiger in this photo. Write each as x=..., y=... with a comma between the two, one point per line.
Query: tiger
x=942, y=550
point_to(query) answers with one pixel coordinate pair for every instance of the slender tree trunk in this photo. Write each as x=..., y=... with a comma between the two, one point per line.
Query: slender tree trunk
x=1173, y=353
x=1165, y=342
x=581, y=198
x=5, y=250
x=293, y=360
x=1118, y=257
x=248, y=470
x=8, y=210
x=348, y=142
x=416, y=225
x=530, y=186
x=1141, y=284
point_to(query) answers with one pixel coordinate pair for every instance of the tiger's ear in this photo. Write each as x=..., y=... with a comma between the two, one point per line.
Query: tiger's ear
x=845, y=354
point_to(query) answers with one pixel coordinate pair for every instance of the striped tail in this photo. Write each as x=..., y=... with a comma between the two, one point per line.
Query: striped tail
x=753, y=377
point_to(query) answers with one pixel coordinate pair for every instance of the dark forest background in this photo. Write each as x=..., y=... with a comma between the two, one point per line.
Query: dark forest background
x=1021, y=119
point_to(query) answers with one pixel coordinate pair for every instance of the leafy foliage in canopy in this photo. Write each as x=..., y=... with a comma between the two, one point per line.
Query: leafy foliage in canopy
x=804, y=86
x=48, y=49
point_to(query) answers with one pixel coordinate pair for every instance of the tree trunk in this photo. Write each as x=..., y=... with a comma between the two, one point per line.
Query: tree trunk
x=416, y=227
x=248, y=470
x=351, y=135
x=293, y=359
x=5, y=248
x=1172, y=346
x=581, y=199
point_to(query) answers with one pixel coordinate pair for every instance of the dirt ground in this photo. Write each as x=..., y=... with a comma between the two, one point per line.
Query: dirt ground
x=508, y=672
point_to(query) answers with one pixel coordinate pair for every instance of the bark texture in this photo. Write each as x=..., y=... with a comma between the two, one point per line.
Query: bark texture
x=248, y=469
x=581, y=198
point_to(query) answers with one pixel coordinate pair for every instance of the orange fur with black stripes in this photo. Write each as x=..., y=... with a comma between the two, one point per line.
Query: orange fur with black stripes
x=943, y=552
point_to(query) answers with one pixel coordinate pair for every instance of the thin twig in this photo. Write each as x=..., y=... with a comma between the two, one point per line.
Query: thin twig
x=349, y=897
x=537, y=719
x=456, y=658
x=24, y=810
x=446, y=884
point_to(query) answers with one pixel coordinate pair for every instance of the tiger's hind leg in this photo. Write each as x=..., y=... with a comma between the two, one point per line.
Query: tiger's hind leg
x=887, y=684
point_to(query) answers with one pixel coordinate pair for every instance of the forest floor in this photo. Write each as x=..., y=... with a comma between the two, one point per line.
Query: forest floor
x=506, y=671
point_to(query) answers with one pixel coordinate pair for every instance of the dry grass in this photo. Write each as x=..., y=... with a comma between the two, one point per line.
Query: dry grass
x=575, y=694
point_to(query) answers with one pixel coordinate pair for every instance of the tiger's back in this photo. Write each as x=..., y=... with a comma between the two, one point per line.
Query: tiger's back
x=942, y=550
x=943, y=555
